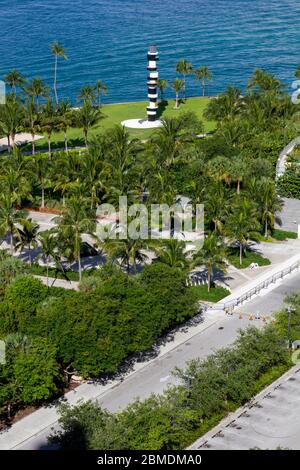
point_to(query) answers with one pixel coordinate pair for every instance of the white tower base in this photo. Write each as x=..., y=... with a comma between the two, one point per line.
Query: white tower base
x=141, y=124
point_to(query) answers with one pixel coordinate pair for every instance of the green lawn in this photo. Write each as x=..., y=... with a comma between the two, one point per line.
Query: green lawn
x=116, y=113
x=215, y=294
x=248, y=258
x=282, y=235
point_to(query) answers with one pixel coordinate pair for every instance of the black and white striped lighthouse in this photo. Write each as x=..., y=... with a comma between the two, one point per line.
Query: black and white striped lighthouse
x=152, y=83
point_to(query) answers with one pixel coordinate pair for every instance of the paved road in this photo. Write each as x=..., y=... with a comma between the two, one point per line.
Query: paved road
x=156, y=376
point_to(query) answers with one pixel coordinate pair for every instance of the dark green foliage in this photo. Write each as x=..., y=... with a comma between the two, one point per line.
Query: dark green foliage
x=288, y=185
x=19, y=304
x=31, y=373
x=209, y=389
x=95, y=331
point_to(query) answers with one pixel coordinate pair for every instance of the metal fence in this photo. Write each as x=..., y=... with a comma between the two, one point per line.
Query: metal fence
x=230, y=304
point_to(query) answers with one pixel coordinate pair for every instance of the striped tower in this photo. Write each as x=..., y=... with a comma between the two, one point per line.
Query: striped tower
x=152, y=83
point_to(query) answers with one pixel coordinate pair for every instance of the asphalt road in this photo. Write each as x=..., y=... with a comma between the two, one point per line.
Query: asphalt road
x=157, y=375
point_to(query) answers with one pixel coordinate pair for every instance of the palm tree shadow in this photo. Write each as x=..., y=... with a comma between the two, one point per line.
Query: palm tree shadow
x=161, y=108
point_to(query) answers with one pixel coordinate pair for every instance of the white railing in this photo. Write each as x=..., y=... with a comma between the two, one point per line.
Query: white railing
x=230, y=304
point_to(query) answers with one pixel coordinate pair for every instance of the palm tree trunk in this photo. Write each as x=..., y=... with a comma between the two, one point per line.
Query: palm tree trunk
x=11, y=242
x=176, y=104
x=49, y=146
x=208, y=280
x=86, y=137
x=47, y=270
x=43, y=197
x=33, y=143
x=55, y=80
x=184, y=86
x=241, y=254
x=203, y=88
x=266, y=228
x=66, y=142
x=29, y=255
x=79, y=267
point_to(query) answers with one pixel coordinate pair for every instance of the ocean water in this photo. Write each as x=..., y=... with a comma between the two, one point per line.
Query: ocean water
x=108, y=40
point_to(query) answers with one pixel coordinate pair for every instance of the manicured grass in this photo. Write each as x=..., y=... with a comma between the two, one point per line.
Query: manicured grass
x=71, y=275
x=215, y=294
x=116, y=113
x=248, y=258
x=282, y=235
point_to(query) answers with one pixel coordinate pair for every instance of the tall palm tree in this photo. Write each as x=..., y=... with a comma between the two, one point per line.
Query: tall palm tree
x=242, y=224
x=269, y=204
x=162, y=85
x=87, y=117
x=31, y=121
x=27, y=237
x=66, y=119
x=49, y=251
x=184, y=68
x=10, y=219
x=217, y=204
x=212, y=256
x=87, y=94
x=101, y=88
x=77, y=219
x=238, y=170
x=40, y=170
x=177, y=86
x=37, y=89
x=58, y=51
x=203, y=75
x=14, y=79
x=49, y=122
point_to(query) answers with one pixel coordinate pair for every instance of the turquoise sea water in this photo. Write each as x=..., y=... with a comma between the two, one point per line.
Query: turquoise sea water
x=108, y=39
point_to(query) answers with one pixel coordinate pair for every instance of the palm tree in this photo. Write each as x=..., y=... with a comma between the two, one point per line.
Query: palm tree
x=217, y=204
x=49, y=122
x=11, y=116
x=37, y=89
x=76, y=220
x=31, y=121
x=242, y=225
x=87, y=117
x=177, y=87
x=14, y=79
x=264, y=82
x=203, y=75
x=10, y=219
x=66, y=119
x=101, y=88
x=40, y=170
x=269, y=204
x=87, y=94
x=127, y=252
x=27, y=237
x=14, y=181
x=58, y=51
x=211, y=255
x=48, y=244
x=172, y=252
x=184, y=68
x=162, y=85
x=238, y=170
